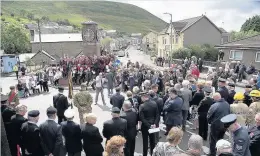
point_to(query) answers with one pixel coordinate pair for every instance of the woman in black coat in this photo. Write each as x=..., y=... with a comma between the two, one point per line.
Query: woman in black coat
x=91, y=137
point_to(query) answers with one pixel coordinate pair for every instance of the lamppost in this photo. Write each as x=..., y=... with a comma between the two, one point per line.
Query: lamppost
x=170, y=60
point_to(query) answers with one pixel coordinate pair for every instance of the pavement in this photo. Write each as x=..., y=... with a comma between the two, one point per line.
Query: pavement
x=43, y=101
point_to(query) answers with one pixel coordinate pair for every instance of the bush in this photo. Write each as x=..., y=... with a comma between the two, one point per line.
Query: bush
x=45, y=18
x=1, y=14
x=30, y=16
x=3, y=19
x=12, y=14
x=182, y=53
x=18, y=19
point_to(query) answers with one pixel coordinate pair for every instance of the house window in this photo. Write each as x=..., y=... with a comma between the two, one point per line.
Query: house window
x=176, y=39
x=147, y=40
x=236, y=55
x=163, y=40
x=257, y=57
x=154, y=40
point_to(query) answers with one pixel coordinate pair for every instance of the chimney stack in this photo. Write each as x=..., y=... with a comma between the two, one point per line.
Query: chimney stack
x=32, y=35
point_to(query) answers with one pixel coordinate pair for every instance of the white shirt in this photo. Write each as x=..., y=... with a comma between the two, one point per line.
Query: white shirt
x=99, y=82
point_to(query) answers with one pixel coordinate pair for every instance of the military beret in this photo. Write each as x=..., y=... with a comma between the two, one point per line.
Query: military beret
x=4, y=98
x=222, y=80
x=248, y=86
x=51, y=110
x=60, y=88
x=33, y=113
x=115, y=110
x=231, y=84
x=229, y=119
x=207, y=89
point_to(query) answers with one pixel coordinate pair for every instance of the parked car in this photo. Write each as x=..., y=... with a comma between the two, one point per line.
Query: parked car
x=121, y=53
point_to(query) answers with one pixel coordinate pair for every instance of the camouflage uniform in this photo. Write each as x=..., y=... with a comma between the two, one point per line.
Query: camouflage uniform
x=254, y=108
x=242, y=112
x=83, y=101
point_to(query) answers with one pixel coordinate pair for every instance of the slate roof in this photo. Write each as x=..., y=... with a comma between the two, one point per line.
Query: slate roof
x=45, y=53
x=70, y=37
x=23, y=57
x=222, y=30
x=249, y=42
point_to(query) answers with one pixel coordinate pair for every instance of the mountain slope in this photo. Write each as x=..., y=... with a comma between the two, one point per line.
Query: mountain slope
x=109, y=15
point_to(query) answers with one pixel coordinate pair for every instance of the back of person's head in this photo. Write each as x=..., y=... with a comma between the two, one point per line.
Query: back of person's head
x=118, y=89
x=195, y=143
x=115, y=146
x=185, y=83
x=216, y=96
x=136, y=90
x=129, y=94
x=223, y=146
x=174, y=136
x=177, y=86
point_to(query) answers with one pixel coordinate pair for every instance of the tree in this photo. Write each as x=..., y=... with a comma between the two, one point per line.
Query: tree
x=252, y=24
x=23, y=13
x=12, y=14
x=30, y=16
x=242, y=34
x=182, y=53
x=45, y=18
x=15, y=39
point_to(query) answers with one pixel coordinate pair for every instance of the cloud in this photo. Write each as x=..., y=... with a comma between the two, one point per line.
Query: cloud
x=227, y=14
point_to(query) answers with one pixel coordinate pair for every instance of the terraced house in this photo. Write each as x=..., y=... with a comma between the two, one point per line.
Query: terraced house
x=196, y=30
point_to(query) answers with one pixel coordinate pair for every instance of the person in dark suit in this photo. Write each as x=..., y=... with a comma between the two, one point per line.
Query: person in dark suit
x=247, y=99
x=231, y=94
x=7, y=112
x=30, y=135
x=223, y=91
x=51, y=134
x=60, y=102
x=198, y=96
x=115, y=126
x=92, y=139
x=72, y=134
x=117, y=99
x=16, y=122
x=203, y=108
x=132, y=120
x=150, y=117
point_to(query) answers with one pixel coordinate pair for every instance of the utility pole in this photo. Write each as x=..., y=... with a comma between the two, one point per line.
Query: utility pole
x=39, y=29
x=170, y=60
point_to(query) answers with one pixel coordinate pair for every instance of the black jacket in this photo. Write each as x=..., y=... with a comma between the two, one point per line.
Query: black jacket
x=117, y=100
x=7, y=113
x=16, y=123
x=149, y=114
x=51, y=134
x=91, y=140
x=247, y=99
x=30, y=139
x=60, y=102
x=159, y=102
x=223, y=91
x=231, y=95
x=204, y=106
x=254, y=134
x=72, y=134
x=131, y=117
x=115, y=126
x=197, y=97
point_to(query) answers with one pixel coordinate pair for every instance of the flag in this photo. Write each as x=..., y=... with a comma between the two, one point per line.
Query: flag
x=70, y=94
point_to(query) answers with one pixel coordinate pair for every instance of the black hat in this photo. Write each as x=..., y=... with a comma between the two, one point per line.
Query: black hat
x=115, y=110
x=143, y=93
x=207, y=89
x=248, y=86
x=60, y=88
x=51, y=110
x=221, y=80
x=231, y=84
x=33, y=113
x=4, y=98
x=229, y=120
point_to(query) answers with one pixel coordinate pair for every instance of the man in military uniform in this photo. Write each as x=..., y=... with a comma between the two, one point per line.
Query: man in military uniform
x=232, y=92
x=240, y=140
x=30, y=135
x=254, y=134
x=247, y=99
x=240, y=109
x=83, y=101
x=223, y=91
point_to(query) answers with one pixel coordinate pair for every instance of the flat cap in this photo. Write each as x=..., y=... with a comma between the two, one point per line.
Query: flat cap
x=60, y=88
x=4, y=98
x=248, y=86
x=207, y=89
x=51, y=110
x=69, y=113
x=229, y=119
x=116, y=110
x=231, y=84
x=33, y=113
x=222, y=80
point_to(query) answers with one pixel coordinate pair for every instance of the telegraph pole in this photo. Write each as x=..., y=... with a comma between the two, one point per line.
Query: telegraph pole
x=170, y=60
x=39, y=29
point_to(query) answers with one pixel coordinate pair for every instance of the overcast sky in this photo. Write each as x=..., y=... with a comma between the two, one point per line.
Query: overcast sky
x=229, y=14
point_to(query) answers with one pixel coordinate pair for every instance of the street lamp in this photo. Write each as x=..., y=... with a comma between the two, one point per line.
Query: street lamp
x=170, y=61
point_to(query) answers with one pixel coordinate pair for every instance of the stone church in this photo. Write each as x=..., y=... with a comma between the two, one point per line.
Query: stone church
x=55, y=46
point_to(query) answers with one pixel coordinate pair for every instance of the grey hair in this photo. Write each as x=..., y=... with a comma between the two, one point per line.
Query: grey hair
x=185, y=83
x=177, y=86
x=195, y=142
x=127, y=104
x=136, y=89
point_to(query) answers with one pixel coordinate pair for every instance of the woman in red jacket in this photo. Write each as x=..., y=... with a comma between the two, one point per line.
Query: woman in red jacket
x=195, y=72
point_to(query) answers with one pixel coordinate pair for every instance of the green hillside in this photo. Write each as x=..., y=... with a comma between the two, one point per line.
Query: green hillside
x=109, y=15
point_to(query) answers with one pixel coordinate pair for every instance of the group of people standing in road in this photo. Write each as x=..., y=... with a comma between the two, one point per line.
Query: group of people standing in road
x=152, y=98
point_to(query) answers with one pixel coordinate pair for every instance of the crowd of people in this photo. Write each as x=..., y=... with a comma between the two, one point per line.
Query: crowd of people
x=152, y=97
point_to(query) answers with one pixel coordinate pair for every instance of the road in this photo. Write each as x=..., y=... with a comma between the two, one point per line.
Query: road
x=43, y=101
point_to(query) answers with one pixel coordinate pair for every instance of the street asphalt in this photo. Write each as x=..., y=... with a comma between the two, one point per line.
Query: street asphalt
x=43, y=101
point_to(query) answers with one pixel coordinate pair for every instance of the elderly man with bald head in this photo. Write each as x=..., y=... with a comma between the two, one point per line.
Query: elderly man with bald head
x=218, y=110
